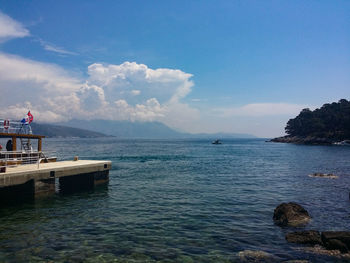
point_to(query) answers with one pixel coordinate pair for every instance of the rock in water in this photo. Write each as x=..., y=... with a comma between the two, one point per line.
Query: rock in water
x=321, y=175
x=336, y=240
x=290, y=214
x=255, y=256
x=296, y=261
x=311, y=237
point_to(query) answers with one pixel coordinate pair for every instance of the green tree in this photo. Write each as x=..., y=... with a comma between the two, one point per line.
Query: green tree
x=331, y=121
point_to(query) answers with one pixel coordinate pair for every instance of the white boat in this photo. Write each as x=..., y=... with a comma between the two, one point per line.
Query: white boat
x=216, y=142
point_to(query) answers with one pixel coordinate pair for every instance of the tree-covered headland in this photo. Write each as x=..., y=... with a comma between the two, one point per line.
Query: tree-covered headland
x=328, y=124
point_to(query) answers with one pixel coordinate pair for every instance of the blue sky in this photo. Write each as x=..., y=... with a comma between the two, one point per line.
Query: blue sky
x=197, y=66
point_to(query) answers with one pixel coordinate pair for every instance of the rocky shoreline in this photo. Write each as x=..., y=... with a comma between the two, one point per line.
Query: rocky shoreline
x=310, y=140
x=294, y=215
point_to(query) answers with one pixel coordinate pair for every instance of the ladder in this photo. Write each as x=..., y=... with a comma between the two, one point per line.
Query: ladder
x=25, y=142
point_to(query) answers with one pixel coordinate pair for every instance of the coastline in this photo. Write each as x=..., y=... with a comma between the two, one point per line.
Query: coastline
x=309, y=140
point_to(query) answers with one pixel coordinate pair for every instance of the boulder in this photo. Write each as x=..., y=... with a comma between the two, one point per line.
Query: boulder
x=290, y=214
x=297, y=261
x=255, y=256
x=339, y=240
x=334, y=244
x=311, y=237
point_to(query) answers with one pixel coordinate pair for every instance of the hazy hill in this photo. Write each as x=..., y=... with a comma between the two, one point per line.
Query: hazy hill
x=145, y=130
x=51, y=130
x=125, y=129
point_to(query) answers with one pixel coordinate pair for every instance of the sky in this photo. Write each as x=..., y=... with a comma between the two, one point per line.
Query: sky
x=196, y=66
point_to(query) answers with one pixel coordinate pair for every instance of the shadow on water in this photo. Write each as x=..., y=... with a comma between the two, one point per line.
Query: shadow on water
x=17, y=195
x=20, y=197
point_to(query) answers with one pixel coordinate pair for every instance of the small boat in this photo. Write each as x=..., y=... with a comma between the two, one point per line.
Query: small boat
x=216, y=142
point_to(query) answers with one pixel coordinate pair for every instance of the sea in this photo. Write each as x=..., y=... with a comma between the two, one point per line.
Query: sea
x=181, y=201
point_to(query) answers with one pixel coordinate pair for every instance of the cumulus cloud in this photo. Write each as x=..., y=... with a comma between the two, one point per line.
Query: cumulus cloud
x=150, y=110
x=129, y=91
x=10, y=28
x=42, y=87
x=91, y=97
x=132, y=91
x=119, y=80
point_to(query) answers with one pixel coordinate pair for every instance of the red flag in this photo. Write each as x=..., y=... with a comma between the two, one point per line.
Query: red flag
x=30, y=117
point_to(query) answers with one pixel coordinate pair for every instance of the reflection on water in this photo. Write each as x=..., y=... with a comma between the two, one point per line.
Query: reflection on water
x=180, y=201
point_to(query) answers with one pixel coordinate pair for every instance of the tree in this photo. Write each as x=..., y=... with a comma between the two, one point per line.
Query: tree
x=331, y=121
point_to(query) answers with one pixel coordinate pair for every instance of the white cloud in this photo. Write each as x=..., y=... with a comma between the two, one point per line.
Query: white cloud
x=118, y=80
x=135, y=92
x=42, y=87
x=129, y=91
x=10, y=28
x=91, y=97
x=53, y=48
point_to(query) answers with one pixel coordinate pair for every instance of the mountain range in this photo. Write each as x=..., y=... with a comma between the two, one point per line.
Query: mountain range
x=51, y=130
x=121, y=129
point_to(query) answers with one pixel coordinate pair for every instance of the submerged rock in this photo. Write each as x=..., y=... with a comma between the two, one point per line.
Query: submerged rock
x=320, y=250
x=332, y=243
x=290, y=214
x=311, y=237
x=321, y=175
x=339, y=240
x=255, y=256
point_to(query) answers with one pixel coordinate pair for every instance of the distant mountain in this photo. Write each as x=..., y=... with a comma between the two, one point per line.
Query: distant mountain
x=126, y=129
x=51, y=130
x=142, y=130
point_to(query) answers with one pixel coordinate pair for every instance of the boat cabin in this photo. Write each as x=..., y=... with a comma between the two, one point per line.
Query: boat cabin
x=19, y=143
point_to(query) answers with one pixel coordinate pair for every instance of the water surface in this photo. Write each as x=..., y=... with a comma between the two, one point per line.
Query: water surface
x=180, y=201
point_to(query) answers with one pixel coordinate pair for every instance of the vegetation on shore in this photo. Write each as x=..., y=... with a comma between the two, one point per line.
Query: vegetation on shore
x=328, y=124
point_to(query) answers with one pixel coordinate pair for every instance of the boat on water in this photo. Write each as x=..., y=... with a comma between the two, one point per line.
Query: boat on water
x=345, y=143
x=216, y=142
x=23, y=152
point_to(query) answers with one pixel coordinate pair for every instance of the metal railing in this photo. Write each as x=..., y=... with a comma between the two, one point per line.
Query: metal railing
x=16, y=158
x=14, y=126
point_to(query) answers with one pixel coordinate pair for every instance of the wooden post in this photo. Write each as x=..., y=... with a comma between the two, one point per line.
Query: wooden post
x=14, y=144
x=39, y=145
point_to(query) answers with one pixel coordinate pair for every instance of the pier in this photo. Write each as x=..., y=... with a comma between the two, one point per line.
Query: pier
x=40, y=180
x=28, y=173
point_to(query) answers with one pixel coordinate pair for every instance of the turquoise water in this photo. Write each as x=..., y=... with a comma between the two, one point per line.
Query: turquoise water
x=180, y=201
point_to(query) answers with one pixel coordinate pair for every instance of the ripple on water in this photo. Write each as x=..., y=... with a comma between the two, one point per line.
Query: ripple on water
x=180, y=201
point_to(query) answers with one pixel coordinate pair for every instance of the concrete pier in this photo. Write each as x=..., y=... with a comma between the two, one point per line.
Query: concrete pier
x=40, y=180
